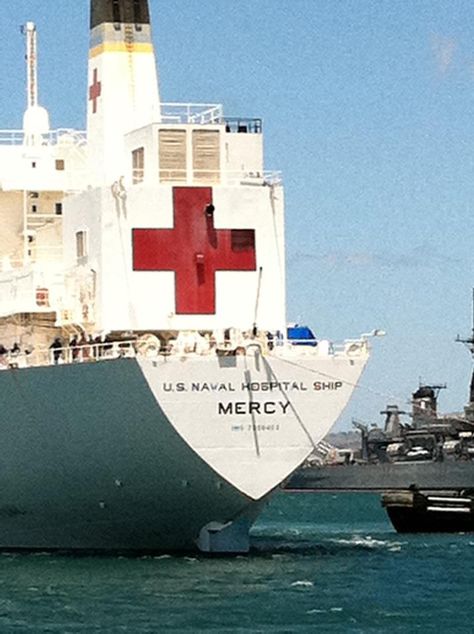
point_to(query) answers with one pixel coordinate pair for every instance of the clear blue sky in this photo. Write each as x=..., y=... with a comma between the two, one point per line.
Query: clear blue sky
x=368, y=110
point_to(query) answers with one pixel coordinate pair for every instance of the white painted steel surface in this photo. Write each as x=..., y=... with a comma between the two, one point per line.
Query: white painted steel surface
x=253, y=418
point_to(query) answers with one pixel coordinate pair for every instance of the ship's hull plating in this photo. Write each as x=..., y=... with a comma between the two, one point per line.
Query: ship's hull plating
x=449, y=474
x=142, y=454
x=89, y=461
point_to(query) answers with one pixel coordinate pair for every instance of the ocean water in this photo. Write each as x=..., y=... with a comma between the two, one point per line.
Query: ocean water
x=319, y=563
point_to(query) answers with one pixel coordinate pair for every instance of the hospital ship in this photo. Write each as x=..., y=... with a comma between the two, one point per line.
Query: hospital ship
x=151, y=399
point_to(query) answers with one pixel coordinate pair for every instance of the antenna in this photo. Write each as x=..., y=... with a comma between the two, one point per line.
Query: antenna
x=470, y=345
x=29, y=30
x=36, y=118
x=257, y=301
x=469, y=341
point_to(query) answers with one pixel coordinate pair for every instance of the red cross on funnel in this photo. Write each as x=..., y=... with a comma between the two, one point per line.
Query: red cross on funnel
x=194, y=250
x=95, y=90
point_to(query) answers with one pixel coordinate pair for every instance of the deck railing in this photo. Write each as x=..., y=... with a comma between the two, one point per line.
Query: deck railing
x=53, y=137
x=193, y=113
x=95, y=351
x=222, y=177
x=172, y=113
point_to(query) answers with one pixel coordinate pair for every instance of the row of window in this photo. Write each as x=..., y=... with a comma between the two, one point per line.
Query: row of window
x=173, y=156
x=59, y=165
x=58, y=209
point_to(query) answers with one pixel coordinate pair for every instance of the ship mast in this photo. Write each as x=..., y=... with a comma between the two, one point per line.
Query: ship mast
x=29, y=29
x=469, y=342
x=36, y=118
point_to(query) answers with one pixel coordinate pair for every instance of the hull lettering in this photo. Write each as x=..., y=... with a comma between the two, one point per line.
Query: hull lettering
x=326, y=385
x=248, y=407
x=270, y=386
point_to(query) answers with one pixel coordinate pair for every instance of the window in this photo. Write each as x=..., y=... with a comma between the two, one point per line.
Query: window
x=33, y=164
x=138, y=165
x=172, y=148
x=58, y=209
x=81, y=244
x=60, y=165
x=34, y=209
x=242, y=239
x=206, y=155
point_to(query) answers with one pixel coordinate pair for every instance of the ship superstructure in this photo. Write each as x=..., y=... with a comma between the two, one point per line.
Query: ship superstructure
x=151, y=398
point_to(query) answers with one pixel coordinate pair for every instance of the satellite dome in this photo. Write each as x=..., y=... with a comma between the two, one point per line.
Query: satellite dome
x=35, y=123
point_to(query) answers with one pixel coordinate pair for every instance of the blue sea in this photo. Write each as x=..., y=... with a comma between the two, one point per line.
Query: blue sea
x=319, y=562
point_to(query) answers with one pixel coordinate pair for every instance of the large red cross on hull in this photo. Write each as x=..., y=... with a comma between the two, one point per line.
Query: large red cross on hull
x=195, y=250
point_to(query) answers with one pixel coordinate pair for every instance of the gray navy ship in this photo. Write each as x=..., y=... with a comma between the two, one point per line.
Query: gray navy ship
x=424, y=467
x=430, y=452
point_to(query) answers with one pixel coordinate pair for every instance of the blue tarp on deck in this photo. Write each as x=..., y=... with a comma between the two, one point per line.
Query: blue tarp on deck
x=301, y=335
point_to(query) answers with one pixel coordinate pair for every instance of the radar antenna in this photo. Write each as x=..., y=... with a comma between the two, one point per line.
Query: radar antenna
x=469, y=342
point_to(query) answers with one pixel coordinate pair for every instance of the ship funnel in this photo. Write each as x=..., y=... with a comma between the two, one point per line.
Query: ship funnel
x=392, y=421
x=123, y=82
x=119, y=12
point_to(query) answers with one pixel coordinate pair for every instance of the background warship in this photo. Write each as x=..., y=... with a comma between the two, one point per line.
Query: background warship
x=431, y=451
x=424, y=468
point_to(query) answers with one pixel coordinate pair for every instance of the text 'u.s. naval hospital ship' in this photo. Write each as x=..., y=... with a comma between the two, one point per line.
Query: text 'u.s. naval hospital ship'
x=150, y=396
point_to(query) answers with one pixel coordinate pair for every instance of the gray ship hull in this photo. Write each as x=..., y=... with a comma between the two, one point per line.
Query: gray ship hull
x=89, y=461
x=449, y=474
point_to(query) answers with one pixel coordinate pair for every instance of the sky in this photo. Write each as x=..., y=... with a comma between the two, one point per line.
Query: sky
x=368, y=110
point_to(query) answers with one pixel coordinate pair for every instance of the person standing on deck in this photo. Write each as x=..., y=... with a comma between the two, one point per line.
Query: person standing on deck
x=57, y=350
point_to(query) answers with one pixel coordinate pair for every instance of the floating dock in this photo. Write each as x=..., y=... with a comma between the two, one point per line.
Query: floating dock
x=430, y=512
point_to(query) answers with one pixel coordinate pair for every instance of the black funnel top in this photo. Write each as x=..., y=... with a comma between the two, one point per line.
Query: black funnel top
x=119, y=12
